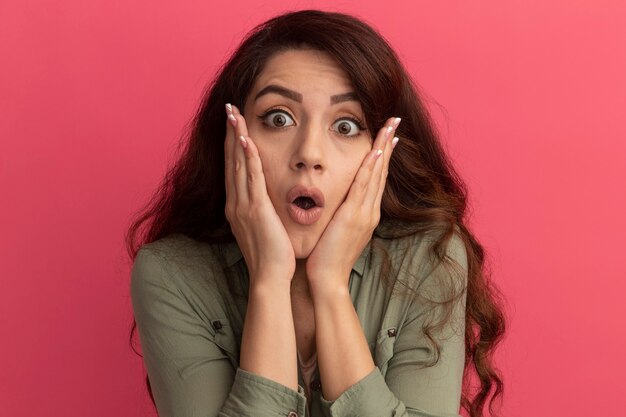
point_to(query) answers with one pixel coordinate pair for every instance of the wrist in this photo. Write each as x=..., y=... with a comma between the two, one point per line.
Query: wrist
x=328, y=279
x=329, y=292
x=270, y=287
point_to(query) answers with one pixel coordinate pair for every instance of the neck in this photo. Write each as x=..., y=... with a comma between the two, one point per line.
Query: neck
x=299, y=282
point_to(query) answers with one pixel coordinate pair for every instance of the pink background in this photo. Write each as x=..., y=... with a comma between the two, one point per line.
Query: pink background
x=529, y=97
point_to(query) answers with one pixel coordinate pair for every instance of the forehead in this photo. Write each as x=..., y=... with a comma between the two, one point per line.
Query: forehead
x=305, y=71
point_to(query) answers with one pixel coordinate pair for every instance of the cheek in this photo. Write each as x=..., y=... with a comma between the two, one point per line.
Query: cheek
x=353, y=163
x=349, y=170
x=271, y=169
x=345, y=180
x=268, y=160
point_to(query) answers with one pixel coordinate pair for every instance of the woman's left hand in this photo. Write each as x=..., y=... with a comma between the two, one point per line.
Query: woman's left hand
x=328, y=266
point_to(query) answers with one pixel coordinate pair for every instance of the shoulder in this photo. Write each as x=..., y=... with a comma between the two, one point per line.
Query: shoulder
x=180, y=265
x=411, y=249
x=418, y=269
x=176, y=246
x=178, y=253
x=180, y=297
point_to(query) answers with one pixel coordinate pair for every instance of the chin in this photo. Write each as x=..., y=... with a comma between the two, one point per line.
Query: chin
x=303, y=238
x=303, y=244
x=301, y=249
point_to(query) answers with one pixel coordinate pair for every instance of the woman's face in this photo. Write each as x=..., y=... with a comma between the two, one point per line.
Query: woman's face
x=310, y=131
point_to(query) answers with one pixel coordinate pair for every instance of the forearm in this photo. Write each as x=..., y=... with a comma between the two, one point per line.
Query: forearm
x=343, y=355
x=268, y=345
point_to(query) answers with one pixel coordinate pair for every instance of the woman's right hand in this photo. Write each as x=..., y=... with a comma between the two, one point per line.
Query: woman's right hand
x=260, y=233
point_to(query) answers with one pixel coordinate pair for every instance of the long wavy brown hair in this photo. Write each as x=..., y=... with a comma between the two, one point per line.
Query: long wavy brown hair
x=423, y=189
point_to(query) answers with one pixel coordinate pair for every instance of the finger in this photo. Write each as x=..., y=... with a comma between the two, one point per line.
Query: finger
x=242, y=127
x=240, y=130
x=243, y=155
x=240, y=174
x=254, y=177
x=363, y=176
x=374, y=194
x=367, y=172
x=376, y=200
x=229, y=113
x=257, y=189
x=373, y=185
x=379, y=177
x=239, y=158
x=229, y=169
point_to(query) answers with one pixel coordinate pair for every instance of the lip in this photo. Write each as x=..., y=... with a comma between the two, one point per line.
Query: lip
x=302, y=190
x=302, y=216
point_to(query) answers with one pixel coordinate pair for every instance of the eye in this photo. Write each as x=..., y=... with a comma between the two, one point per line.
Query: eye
x=276, y=118
x=348, y=127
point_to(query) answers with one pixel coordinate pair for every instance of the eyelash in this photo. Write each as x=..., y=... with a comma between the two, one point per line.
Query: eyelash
x=353, y=119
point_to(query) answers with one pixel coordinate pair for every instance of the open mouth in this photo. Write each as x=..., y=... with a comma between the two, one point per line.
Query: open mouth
x=305, y=198
x=305, y=202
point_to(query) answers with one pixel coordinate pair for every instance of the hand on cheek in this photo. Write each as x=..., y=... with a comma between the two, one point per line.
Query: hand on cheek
x=329, y=265
x=260, y=234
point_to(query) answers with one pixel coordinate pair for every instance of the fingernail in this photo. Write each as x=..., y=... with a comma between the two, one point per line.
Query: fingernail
x=243, y=141
x=396, y=121
x=394, y=142
x=232, y=119
x=229, y=108
x=378, y=153
x=389, y=129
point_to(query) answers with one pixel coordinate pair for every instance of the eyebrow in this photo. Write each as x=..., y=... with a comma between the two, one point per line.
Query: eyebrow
x=295, y=96
x=339, y=98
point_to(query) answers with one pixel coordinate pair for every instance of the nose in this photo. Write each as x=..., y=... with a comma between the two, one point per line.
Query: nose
x=308, y=150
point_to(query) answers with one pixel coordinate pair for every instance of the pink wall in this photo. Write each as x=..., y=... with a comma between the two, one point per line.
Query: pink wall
x=530, y=97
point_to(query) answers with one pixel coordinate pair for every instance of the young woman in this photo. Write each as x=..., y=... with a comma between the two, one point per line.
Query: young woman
x=307, y=255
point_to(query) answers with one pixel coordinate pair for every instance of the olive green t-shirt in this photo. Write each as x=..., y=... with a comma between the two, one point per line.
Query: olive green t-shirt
x=189, y=300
